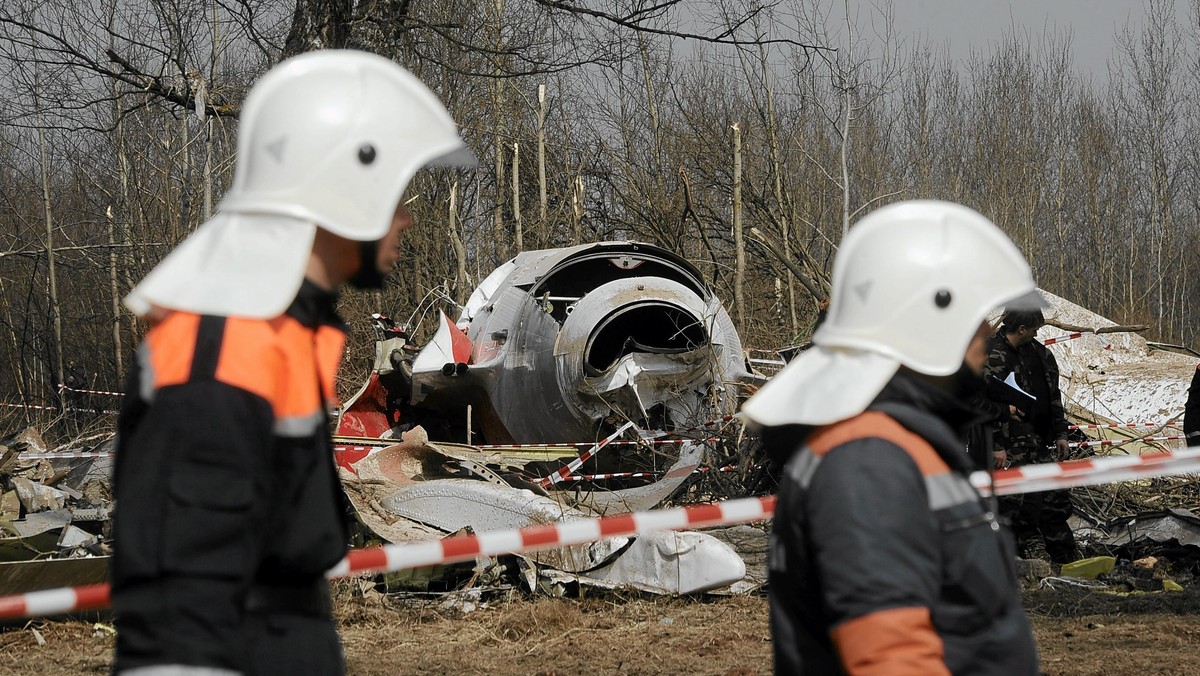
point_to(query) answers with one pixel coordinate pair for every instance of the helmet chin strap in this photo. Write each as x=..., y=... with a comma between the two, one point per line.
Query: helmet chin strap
x=368, y=277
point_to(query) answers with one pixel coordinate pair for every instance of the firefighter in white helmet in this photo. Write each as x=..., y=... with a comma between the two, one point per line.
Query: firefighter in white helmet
x=883, y=558
x=228, y=508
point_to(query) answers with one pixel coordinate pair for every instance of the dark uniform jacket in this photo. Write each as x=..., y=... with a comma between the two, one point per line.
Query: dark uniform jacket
x=1029, y=439
x=224, y=481
x=883, y=559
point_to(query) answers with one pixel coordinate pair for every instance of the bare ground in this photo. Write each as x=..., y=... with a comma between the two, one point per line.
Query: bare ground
x=1078, y=632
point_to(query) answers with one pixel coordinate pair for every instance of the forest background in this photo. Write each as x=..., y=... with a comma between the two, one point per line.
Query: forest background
x=747, y=136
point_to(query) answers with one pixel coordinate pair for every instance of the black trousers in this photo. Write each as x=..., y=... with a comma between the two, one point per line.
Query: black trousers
x=1042, y=515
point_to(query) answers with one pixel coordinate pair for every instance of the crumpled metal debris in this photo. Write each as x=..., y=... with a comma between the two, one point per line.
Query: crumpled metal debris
x=1174, y=525
x=417, y=488
x=53, y=517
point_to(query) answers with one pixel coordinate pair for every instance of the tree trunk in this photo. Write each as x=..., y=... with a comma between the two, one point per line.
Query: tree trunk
x=55, y=309
x=518, y=224
x=541, y=158
x=462, y=283
x=739, y=245
x=115, y=290
x=577, y=211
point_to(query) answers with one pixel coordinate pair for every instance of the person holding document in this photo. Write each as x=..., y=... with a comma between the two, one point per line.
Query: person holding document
x=1022, y=374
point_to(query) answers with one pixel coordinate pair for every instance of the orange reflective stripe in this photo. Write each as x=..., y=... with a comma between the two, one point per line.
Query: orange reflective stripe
x=276, y=359
x=299, y=395
x=273, y=359
x=170, y=346
x=330, y=344
x=873, y=424
x=893, y=642
x=249, y=358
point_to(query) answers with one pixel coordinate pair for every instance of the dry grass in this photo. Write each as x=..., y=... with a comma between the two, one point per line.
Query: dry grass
x=1078, y=633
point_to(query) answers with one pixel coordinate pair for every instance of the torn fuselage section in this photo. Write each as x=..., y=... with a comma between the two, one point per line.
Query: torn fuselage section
x=566, y=343
x=555, y=348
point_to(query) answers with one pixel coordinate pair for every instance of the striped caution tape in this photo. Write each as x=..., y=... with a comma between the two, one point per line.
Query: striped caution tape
x=1030, y=478
x=577, y=444
x=1073, y=336
x=111, y=393
x=390, y=558
x=342, y=443
x=55, y=601
x=1087, y=472
x=65, y=455
x=1122, y=442
x=552, y=536
x=575, y=464
x=1026, y=479
x=641, y=475
x=56, y=409
x=1116, y=426
x=8, y=404
x=1063, y=339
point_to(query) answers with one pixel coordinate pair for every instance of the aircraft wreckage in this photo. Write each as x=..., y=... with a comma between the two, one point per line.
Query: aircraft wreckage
x=554, y=349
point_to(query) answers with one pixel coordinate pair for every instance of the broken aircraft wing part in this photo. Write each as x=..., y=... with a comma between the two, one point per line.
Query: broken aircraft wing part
x=1178, y=525
x=674, y=562
x=663, y=563
x=639, y=498
x=453, y=504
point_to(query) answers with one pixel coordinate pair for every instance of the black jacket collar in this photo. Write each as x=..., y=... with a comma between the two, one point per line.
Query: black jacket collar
x=314, y=306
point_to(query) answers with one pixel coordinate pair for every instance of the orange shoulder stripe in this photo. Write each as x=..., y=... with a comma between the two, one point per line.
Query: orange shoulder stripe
x=250, y=358
x=873, y=424
x=278, y=359
x=170, y=346
x=892, y=642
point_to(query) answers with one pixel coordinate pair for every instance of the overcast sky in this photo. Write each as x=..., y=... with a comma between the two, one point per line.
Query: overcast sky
x=965, y=25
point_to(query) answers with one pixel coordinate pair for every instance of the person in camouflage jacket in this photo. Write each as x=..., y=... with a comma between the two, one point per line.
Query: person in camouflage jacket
x=1037, y=435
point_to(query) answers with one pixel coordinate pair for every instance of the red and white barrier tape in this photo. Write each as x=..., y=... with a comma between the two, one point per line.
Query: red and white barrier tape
x=54, y=601
x=1026, y=479
x=347, y=447
x=63, y=455
x=56, y=455
x=639, y=475
x=1122, y=442
x=575, y=464
x=390, y=558
x=611, y=475
x=551, y=536
x=64, y=388
x=1087, y=472
x=1115, y=426
x=56, y=408
x=368, y=443
x=577, y=444
x=1063, y=339
x=42, y=408
x=1072, y=336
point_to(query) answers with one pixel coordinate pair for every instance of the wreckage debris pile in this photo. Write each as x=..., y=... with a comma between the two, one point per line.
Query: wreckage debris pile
x=50, y=512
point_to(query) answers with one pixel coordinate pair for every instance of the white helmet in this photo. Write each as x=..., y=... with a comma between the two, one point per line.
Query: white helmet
x=328, y=139
x=334, y=137
x=912, y=282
